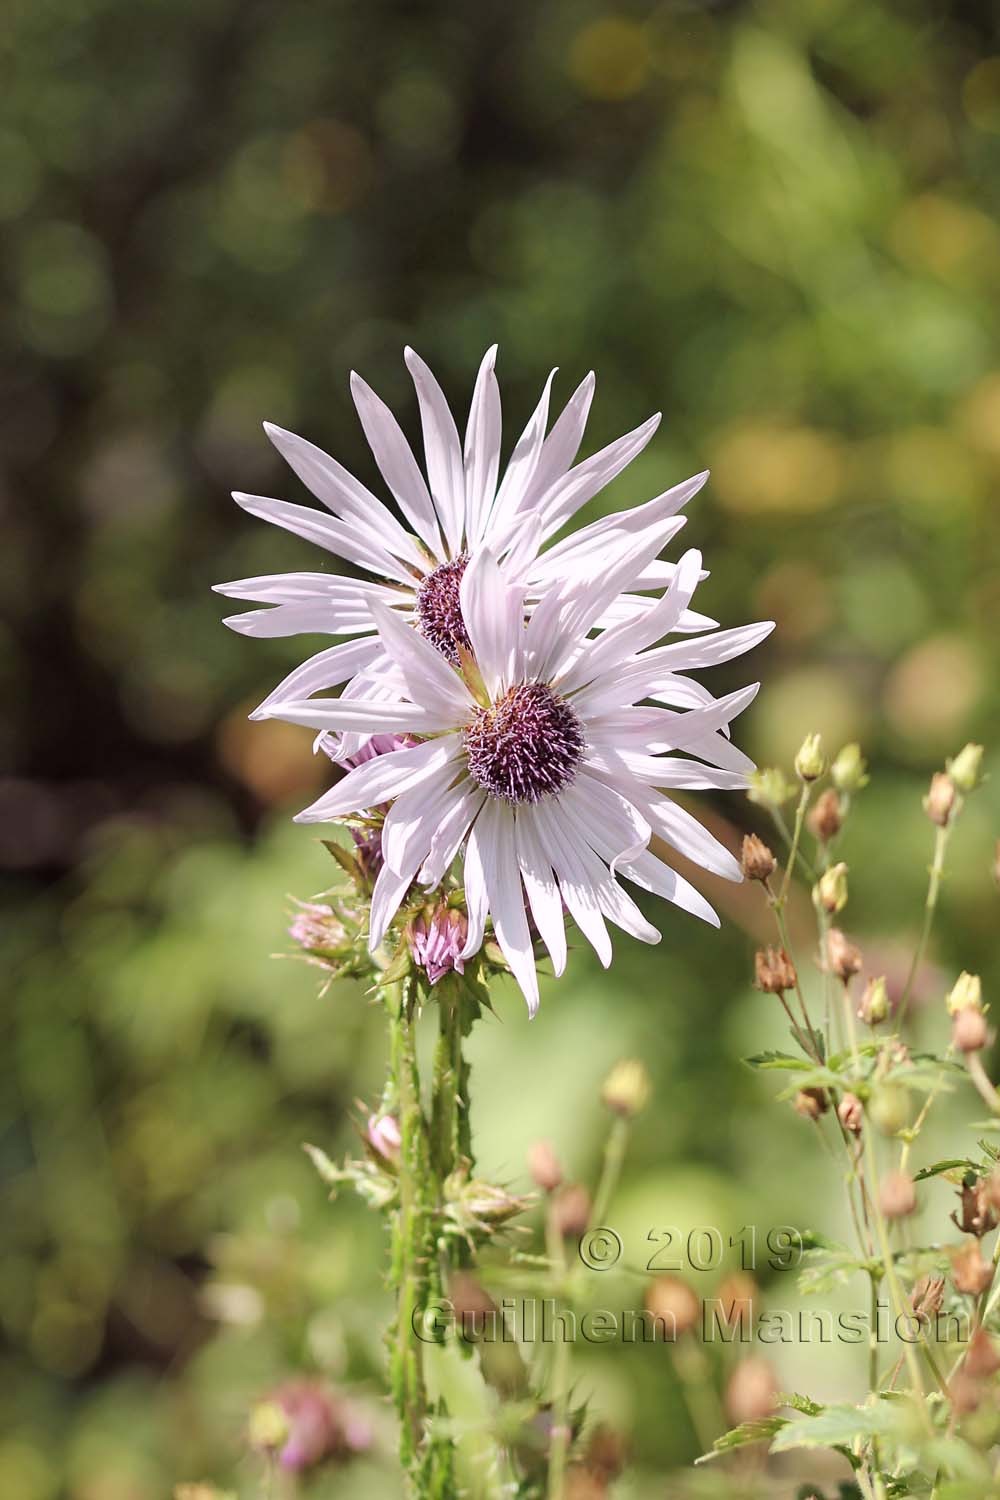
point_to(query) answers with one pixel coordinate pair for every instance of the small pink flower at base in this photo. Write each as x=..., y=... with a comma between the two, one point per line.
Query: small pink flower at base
x=383, y=1136
x=437, y=945
x=320, y=1425
x=317, y=928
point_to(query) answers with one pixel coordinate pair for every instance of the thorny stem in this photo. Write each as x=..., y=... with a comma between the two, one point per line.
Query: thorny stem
x=559, y=1433
x=930, y=906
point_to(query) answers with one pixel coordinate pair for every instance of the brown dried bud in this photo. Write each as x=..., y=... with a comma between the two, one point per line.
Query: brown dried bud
x=898, y=1197
x=842, y=957
x=736, y=1294
x=826, y=819
x=851, y=1114
x=990, y=1187
x=756, y=861
x=571, y=1210
x=969, y=1271
x=606, y=1454
x=677, y=1304
x=976, y=1214
x=544, y=1166
x=940, y=798
x=752, y=1390
x=774, y=972
x=476, y=1313
x=981, y=1358
x=927, y=1297
x=969, y=1031
x=965, y=1393
x=811, y=1103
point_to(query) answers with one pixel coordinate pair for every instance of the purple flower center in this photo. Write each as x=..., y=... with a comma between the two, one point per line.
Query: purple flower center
x=439, y=609
x=525, y=746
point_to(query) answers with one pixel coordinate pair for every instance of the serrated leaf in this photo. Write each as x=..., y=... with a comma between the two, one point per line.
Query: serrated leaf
x=766, y=1060
x=835, y=1427
x=948, y=1165
x=797, y=1402
x=758, y=1431
x=345, y=860
x=822, y=1269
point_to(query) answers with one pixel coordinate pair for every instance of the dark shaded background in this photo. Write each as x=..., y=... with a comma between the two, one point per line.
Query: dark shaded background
x=773, y=221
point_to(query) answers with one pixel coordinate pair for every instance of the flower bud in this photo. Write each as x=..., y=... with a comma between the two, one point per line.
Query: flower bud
x=570, y=1209
x=927, y=1297
x=969, y=1031
x=831, y=891
x=318, y=929
x=889, y=1107
x=756, y=861
x=811, y=1103
x=940, y=799
x=476, y=1205
x=774, y=972
x=268, y=1427
x=850, y=1113
x=965, y=1394
x=627, y=1088
x=965, y=994
x=677, y=1304
x=752, y=1390
x=810, y=762
x=873, y=1006
x=825, y=820
x=769, y=788
x=842, y=957
x=975, y=1214
x=436, y=943
x=970, y=1272
x=382, y=1135
x=898, y=1195
x=966, y=767
x=544, y=1166
x=981, y=1357
x=849, y=769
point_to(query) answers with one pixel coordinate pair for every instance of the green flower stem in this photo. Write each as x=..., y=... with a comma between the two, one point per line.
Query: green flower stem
x=930, y=906
x=614, y=1157
x=800, y=815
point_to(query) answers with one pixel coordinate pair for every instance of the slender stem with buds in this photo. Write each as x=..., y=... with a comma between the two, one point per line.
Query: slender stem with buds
x=800, y=815
x=930, y=906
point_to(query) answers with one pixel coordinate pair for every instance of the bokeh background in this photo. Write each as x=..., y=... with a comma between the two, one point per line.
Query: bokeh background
x=774, y=222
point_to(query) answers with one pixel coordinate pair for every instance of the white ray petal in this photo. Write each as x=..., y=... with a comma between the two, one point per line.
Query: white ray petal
x=344, y=495
x=482, y=448
x=576, y=888
x=520, y=468
x=651, y=874
x=326, y=669
x=450, y=832
x=398, y=466
x=541, y=887
x=429, y=678
x=374, y=718
x=344, y=538
x=304, y=588
x=414, y=818
x=390, y=888
x=319, y=617
x=502, y=875
x=613, y=647
x=561, y=445
x=375, y=781
x=492, y=615
x=442, y=451
x=584, y=481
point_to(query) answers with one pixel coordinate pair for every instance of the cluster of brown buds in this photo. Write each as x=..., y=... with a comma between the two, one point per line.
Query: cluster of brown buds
x=979, y=1201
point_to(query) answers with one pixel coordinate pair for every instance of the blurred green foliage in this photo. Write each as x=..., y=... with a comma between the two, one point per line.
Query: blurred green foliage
x=773, y=221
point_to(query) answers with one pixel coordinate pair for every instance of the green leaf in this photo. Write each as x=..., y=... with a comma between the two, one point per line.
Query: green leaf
x=822, y=1269
x=758, y=1431
x=800, y=1403
x=835, y=1427
x=767, y=1060
x=948, y=1165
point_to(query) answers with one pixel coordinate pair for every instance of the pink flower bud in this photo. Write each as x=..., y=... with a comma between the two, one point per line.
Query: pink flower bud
x=437, y=945
x=384, y=1137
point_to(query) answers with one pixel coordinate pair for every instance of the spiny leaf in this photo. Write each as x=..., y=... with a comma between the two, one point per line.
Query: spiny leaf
x=757, y=1431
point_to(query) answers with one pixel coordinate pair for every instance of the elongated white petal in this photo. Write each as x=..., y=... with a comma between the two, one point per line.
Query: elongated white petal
x=377, y=780
x=577, y=890
x=615, y=824
x=429, y=679
x=450, y=833
x=584, y=481
x=482, y=448
x=442, y=451
x=414, y=818
x=651, y=874
x=492, y=616
x=561, y=445
x=541, y=887
x=520, y=468
x=306, y=588
x=502, y=875
x=374, y=718
x=398, y=466
x=659, y=513
x=344, y=495
x=478, y=852
x=630, y=606
x=390, y=888
x=326, y=531
x=326, y=669
x=319, y=617
x=616, y=645
x=667, y=771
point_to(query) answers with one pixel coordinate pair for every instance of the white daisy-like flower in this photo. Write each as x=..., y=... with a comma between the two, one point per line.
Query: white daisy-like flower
x=459, y=509
x=539, y=760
